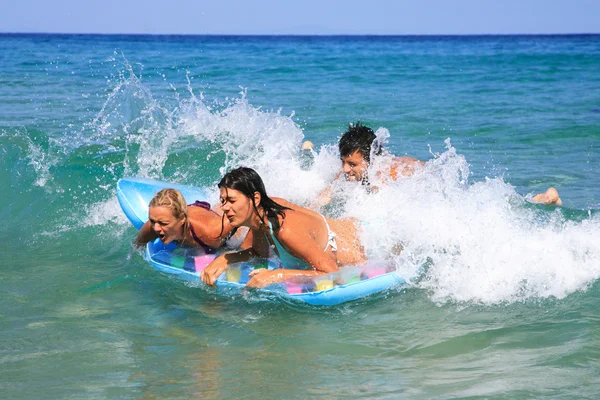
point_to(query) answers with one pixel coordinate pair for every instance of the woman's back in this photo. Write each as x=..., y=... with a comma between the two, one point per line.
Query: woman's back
x=207, y=226
x=308, y=222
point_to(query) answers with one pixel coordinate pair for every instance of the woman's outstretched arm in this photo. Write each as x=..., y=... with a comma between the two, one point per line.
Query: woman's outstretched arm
x=213, y=270
x=145, y=234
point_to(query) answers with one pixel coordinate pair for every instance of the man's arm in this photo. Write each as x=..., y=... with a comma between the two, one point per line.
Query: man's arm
x=549, y=197
x=404, y=166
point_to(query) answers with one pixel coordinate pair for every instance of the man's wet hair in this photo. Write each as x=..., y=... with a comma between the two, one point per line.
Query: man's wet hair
x=358, y=138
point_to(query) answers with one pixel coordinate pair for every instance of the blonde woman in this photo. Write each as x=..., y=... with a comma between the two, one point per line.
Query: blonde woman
x=170, y=218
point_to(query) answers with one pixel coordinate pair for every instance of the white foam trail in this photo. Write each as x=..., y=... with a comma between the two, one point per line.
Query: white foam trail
x=485, y=243
x=95, y=215
x=41, y=162
x=242, y=134
x=103, y=212
x=40, y=159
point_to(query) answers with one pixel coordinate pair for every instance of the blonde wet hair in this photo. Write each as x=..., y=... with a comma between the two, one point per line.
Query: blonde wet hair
x=174, y=201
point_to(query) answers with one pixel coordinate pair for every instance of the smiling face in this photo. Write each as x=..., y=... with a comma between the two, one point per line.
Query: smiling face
x=165, y=224
x=354, y=166
x=237, y=208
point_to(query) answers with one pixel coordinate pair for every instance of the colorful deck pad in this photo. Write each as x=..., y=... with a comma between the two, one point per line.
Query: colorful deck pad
x=347, y=284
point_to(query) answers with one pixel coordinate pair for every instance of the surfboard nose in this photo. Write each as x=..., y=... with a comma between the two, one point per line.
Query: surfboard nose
x=134, y=197
x=134, y=194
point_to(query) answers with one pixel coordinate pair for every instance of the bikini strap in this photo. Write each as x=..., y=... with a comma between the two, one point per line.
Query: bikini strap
x=331, y=242
x=202, y=204
x=271, y=239
x=206, y=248
x=270, y=227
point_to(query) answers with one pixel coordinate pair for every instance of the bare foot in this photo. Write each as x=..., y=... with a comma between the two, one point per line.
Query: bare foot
x=550, y=197
x=308, y=145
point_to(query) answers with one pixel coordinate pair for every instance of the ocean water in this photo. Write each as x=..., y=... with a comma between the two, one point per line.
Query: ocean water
x=506, y=307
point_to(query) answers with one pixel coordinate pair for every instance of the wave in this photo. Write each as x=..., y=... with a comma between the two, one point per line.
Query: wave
x=480, y=242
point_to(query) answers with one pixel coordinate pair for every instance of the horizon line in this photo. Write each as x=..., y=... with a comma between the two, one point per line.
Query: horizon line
x=300, y=34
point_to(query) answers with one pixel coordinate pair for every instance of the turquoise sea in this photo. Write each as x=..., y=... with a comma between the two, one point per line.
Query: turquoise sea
x=506, y=308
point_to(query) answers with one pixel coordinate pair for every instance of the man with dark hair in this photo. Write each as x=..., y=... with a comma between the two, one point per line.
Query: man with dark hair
x=358, y=138
x=356, y=147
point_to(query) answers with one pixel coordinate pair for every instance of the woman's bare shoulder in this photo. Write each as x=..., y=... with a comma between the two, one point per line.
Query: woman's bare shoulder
x=404, y=166
x=295, y=207
x=284, y=202
x=202, y=213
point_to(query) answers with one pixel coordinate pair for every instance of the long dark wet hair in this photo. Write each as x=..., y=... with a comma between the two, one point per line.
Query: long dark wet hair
x=247, y=181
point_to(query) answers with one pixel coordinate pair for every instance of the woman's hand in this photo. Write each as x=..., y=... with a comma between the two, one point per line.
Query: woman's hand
x=262, y=277
x=211, y=273
x=257, y=271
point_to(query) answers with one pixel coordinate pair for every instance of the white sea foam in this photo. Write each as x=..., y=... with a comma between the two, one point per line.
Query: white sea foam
x=103, y=212
x=481, y=241
x=39, y=158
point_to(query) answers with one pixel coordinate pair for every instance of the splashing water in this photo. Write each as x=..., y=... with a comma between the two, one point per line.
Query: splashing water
x=482, y=242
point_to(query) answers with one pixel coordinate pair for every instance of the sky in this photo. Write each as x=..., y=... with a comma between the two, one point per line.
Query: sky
x=318, y=17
